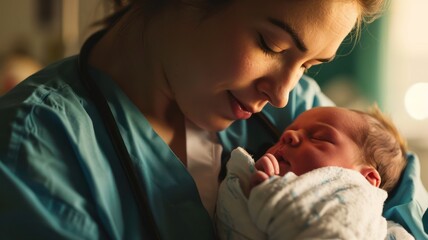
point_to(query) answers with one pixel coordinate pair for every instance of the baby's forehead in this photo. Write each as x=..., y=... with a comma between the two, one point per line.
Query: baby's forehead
x=341, y=118
x=325, y=114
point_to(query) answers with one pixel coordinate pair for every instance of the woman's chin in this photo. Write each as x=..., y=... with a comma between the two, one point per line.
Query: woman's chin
x=214, y=126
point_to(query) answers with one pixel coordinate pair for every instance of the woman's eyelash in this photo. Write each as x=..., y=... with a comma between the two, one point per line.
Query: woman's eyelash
x=264, y=46
x=268, y=51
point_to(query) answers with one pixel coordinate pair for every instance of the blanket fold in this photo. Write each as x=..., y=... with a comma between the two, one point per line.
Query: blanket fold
x=331, y=202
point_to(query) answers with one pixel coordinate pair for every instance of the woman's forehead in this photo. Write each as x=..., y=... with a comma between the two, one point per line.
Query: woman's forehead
x=321, y=25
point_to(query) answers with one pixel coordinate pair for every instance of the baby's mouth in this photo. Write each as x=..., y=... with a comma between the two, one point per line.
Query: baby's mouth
x=284, y=164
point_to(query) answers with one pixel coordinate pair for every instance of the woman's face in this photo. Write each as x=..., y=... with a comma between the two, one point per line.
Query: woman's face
x=233, y=62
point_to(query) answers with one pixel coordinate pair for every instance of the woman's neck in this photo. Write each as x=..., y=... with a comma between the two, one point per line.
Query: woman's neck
x=127, y=54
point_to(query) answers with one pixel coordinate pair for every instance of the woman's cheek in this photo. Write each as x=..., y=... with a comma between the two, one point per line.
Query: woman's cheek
x=248, y=68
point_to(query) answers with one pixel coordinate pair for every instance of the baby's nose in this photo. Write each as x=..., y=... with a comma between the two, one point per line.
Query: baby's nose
x=291, y=137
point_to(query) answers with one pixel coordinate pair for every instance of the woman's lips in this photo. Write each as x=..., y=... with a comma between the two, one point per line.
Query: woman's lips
x=239, y=109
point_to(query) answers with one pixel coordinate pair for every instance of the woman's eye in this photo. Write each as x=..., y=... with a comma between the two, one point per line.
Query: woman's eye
x=265, y=47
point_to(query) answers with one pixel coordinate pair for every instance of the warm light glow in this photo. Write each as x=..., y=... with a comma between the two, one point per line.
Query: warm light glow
x=416, y=101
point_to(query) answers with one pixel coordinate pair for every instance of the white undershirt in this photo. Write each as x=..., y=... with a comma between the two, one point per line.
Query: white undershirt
x=203, y=163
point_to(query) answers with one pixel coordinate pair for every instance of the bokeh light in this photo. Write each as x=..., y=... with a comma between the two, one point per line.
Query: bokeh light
x=416, y=101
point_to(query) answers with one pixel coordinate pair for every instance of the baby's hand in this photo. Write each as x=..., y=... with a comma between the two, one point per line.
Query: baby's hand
x=266, y=166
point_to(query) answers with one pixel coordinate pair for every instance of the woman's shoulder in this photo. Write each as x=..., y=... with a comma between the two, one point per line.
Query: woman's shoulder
x=47, y=103
x=49, y=152
x=56, y=78
x=56, y=87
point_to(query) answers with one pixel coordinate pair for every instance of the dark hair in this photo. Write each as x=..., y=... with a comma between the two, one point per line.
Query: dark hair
x=370, y=9
x=118, y=8
x=151, y=7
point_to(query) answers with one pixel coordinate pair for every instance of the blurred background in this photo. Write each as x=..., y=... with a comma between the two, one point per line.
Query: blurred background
x=386, y=66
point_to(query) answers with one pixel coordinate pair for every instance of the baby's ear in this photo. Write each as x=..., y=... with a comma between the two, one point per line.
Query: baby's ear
x=372, y=175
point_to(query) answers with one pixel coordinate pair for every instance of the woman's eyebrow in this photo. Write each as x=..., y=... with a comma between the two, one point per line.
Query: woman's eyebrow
x=288, y=29
x=296, y=39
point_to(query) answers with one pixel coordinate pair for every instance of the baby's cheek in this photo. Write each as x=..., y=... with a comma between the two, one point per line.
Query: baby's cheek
x=273, y=149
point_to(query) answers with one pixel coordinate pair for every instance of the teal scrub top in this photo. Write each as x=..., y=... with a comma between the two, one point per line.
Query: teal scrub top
x=60, y=177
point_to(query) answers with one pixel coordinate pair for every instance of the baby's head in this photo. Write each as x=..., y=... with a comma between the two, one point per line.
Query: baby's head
x=382, y=146
x=331, y=136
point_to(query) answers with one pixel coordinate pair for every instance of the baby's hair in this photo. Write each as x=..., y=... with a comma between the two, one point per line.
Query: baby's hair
x=383, y=147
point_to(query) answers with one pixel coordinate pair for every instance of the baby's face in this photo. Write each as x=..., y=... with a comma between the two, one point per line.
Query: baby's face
x=318, y=138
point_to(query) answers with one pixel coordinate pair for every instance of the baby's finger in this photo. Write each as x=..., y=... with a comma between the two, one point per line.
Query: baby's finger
x=274, y=162
x=265, y=164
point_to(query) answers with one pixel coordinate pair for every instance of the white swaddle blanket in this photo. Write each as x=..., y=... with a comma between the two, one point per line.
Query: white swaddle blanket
x=331, y=202
x=327, y=203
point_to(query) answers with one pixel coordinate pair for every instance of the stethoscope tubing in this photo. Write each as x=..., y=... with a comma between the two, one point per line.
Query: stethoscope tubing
x=138, y=189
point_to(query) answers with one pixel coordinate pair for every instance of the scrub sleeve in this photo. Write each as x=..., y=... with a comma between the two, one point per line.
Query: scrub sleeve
x=61, y=179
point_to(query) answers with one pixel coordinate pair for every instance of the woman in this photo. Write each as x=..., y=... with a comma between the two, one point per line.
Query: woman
x=172, y=73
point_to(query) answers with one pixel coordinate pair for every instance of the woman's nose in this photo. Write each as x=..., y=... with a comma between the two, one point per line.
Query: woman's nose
x=291, y=137
x=277, y=87
x=279, y=96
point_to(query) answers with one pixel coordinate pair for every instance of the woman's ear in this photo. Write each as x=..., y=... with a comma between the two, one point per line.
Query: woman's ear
x=372, y=175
